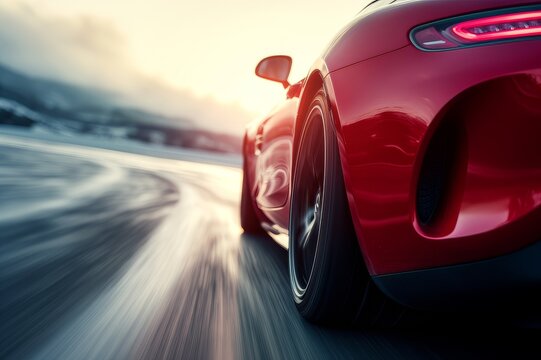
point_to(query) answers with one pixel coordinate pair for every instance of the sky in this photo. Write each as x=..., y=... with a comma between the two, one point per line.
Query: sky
x=208, y=48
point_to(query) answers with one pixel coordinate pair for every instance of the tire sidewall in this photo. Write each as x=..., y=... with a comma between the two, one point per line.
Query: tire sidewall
x=309, y=300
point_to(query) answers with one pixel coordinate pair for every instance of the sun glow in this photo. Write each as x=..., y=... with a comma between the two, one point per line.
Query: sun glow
x=211, y=47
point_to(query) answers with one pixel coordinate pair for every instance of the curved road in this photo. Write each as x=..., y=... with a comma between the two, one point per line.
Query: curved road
x=106, y=255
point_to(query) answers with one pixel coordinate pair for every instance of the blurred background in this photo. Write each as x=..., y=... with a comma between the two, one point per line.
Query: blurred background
x=174, y=73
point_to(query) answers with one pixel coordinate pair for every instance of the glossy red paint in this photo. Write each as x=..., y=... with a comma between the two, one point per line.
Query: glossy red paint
x=387, y=127
x=392, y=105
x=386, y=29
x=269, y=162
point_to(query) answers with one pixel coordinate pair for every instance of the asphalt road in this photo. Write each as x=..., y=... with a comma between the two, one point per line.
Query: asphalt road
x=105, y=255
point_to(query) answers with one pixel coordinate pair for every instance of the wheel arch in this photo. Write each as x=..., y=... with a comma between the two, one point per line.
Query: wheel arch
x=316, y=81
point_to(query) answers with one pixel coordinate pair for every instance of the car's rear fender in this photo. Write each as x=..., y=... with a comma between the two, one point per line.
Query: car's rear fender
x=387, y=108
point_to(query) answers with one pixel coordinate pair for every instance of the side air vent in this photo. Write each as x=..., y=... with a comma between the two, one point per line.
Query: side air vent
x=442, y=168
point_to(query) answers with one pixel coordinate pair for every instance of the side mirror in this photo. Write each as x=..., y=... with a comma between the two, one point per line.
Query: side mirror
x=275, y=68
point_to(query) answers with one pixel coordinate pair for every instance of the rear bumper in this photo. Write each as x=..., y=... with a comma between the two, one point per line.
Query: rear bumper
x=482, y=284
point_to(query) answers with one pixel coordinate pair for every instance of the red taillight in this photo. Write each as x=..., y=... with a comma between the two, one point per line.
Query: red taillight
x=474, y=29
x=499, y=27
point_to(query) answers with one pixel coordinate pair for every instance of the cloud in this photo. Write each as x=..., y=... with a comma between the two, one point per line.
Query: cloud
x=90, y=52
x=83, y=51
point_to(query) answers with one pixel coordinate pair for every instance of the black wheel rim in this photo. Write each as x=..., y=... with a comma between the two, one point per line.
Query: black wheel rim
x=307, y=202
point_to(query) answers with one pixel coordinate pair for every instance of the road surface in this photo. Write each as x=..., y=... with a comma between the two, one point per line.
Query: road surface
x=107, y=255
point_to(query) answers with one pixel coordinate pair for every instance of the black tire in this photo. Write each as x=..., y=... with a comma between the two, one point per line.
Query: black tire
x=328, y=277
x=248, y=218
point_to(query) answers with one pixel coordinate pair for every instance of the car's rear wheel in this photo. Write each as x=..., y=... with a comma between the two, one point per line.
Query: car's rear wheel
x=327, y=274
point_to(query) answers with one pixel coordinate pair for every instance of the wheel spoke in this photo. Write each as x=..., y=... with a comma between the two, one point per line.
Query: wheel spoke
x=308, y=249
x=305, y=237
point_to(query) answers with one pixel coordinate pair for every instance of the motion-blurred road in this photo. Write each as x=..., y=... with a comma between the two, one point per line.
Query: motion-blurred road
x=106, y=255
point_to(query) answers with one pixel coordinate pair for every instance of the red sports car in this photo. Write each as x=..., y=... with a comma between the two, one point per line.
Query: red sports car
x=407, y=164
